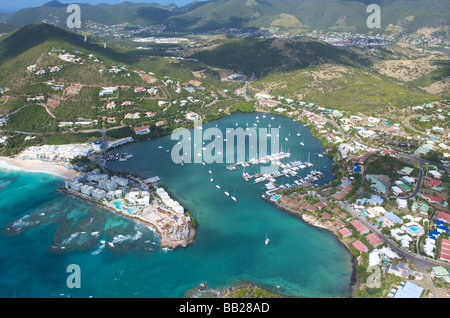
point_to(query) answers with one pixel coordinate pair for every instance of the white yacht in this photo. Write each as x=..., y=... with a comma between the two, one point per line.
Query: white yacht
x=234, y=196
x=226, y=192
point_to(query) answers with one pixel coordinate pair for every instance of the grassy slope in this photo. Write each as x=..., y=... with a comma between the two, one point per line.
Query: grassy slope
x=317, y=72
x=31, y=45
x=350, y=89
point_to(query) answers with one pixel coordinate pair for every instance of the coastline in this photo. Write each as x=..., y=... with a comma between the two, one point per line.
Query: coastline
x=354, y=280
x=36, y=166
x=165, y=241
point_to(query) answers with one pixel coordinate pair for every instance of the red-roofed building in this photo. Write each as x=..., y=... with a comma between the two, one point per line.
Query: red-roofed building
x=150, y=114
x=321, y=205
x=142, y=130
x=139, y=90
x=445, y=250
x=325, y=215
x=359, y=227
x=434, y=182
x=365, y=156
x=374, y=240
x=269, y=103
x=434, y=199
x=360, y=246
x=345, y=232
x=442, y=216
x=388, y=152
x=111, y=105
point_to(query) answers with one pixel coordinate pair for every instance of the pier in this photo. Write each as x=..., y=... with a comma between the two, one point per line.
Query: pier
x=275, y=159
x=289, y=169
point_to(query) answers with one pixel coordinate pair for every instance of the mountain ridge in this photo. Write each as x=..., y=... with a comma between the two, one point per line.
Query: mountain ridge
x=408, y=16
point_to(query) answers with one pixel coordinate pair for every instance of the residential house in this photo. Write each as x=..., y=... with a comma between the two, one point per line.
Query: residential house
x=192, y=116
x=111, y=105
x=132, y=116
x=435, y=174
x=406, y=171
x=434, y=199
x=127, y=103
x=142, y=130
x=139, y=90
x=442, y=216
x=434, y=182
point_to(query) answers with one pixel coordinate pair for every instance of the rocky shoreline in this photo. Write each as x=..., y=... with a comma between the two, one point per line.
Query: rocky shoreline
x=165, y=241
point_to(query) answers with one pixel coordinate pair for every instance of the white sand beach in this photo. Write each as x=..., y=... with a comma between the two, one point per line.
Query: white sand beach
x=36, y=166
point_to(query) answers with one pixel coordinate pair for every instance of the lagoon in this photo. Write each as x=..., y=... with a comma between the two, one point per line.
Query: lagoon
x=43, y=233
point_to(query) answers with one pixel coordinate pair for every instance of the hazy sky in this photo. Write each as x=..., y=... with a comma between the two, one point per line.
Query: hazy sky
x=15, y=5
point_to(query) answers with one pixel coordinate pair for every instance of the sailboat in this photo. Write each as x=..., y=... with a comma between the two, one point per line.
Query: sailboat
x=267, y=240
x=226, y=192
x=302, y=142
x=234, y=196
x=217, y=185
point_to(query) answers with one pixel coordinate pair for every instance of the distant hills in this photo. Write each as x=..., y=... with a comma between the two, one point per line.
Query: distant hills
x=397, y=16
x=302, y=68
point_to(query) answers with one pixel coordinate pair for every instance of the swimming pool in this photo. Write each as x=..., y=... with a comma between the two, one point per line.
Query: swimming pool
x=414, y=228
x=276, y=197
x=118, y=205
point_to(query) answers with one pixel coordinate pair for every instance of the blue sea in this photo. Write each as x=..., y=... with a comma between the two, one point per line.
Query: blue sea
x=43, y=231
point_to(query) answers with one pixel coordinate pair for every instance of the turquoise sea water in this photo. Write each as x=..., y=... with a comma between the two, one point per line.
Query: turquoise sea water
x=44, y=231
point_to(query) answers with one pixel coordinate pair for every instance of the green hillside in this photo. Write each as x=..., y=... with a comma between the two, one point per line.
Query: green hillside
x=41, y=44
x=262, y=56
x=22, y=47
x=329, y=76
x=408, y=16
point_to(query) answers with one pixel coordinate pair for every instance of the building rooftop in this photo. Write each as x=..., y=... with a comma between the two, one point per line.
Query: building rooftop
x=393, y=217
x=360, y=246
x=410, y=290
x=374, y=240
x=345, y=232
x=359, y=227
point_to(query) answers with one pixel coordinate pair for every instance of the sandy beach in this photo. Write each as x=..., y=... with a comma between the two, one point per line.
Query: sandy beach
x=36, y=166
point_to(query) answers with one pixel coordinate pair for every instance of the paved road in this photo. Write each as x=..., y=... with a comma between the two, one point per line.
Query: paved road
x=246, y=84
x=419, y=181
x=420, y=261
